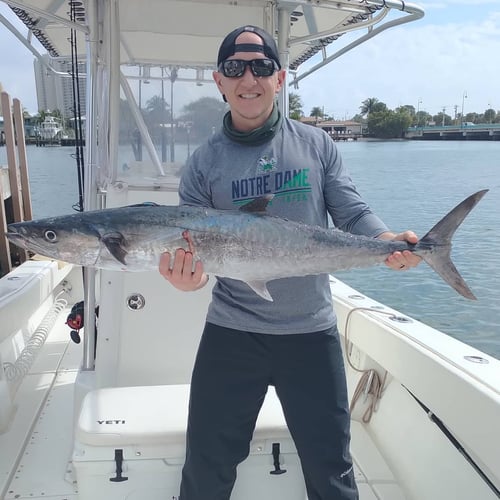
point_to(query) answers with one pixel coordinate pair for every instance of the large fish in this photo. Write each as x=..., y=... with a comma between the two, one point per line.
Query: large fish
x=243, y=244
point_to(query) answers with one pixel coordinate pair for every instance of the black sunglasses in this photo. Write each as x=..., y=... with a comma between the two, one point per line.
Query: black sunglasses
x=234, y=68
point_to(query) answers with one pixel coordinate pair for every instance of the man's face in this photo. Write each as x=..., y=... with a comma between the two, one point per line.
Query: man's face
x=250, y=97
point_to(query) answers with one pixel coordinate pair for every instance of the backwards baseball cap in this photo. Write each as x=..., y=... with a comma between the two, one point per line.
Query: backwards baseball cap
x=229, y=46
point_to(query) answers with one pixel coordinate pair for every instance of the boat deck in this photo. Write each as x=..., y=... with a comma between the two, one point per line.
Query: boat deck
x=43, y=427
x=43, y=424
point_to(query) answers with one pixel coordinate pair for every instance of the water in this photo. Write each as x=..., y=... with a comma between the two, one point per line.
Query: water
x=411, y=185
x=53, y=179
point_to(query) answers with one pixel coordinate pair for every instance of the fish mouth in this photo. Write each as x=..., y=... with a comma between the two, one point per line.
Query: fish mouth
x=14, y=236
x=19, y=240
x=16, y=239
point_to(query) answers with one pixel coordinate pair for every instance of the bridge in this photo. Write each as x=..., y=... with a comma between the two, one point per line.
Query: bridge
x=464, y=132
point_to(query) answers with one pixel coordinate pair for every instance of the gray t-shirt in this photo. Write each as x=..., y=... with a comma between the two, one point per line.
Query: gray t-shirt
x=302, y=167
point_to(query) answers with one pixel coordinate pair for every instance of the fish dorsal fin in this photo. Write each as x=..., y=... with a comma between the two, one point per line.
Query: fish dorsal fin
x=258, y=204
x=144, y=204
x=115, y=242
x=260, y=288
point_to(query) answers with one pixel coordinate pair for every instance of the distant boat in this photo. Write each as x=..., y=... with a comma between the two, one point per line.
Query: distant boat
x=50, y=128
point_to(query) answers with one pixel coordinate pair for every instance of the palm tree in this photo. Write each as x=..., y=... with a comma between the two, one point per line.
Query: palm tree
x=368, y=105
x=317, y=112
x=156, y=109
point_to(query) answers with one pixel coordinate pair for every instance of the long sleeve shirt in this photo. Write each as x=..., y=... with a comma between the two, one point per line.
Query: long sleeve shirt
x=303, y=169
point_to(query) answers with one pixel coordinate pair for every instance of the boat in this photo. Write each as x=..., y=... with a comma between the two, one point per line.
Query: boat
x=50, y=129
x=99, y=412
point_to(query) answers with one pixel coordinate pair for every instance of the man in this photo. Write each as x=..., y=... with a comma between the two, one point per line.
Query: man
x=249, y=343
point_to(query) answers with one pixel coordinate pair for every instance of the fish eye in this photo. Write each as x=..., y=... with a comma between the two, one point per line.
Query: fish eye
x=50, y=236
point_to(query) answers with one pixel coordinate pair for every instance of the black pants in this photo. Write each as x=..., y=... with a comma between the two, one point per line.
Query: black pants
x=232, y=372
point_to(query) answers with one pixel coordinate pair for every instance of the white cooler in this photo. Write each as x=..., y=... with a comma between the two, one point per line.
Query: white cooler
x=130, y=444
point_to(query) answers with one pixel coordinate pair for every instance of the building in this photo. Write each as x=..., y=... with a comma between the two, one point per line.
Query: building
x=337, y=130
x=54, y=89
x=342, y=130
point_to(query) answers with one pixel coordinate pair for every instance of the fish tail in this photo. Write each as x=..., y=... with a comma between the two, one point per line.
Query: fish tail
x=438, y=242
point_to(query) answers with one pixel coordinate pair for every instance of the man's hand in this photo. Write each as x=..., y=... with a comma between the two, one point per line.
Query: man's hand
x=401, y=261
x=180, y=273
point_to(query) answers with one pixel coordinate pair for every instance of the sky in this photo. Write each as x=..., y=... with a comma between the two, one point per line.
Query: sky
x=432, y=63
x=454, y=50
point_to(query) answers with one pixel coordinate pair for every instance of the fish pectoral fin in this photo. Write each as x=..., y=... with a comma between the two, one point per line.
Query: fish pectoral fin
x=115, y=243
x=260, y=288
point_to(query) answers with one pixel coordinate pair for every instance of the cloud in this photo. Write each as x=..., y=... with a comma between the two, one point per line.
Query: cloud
x=433, y=61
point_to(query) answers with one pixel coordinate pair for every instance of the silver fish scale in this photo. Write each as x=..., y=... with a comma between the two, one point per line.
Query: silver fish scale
x=237, y=244
x=265, y=248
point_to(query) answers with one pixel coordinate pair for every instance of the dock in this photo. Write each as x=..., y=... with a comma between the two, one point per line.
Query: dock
x=57, y=141
x=15, y=198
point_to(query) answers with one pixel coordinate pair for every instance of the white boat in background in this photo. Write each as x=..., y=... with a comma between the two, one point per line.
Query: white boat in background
x=105, y=419
x=50, y=129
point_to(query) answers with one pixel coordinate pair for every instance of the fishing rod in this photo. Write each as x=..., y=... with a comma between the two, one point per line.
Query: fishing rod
x=77, y=114
x=456, y=443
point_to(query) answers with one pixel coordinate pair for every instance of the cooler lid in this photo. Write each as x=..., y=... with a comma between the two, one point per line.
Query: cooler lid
x=122, y=416
x=134, y=415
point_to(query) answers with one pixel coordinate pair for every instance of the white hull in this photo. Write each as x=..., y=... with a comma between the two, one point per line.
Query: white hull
x=49, y=133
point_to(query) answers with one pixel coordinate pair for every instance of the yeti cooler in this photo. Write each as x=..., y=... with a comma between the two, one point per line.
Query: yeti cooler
x=130, y=444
